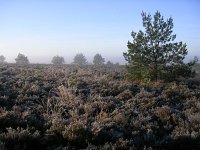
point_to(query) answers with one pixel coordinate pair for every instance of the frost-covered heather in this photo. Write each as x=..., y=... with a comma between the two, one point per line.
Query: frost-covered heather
x=94, y=107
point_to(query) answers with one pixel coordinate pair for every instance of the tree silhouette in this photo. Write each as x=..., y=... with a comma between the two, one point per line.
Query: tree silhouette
x=98, y=60
x=2, y=59
x=22, y=59
x=80, y=59
x=58, y=60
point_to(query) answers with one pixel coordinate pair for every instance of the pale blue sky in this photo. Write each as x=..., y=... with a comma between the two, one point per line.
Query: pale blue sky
x=41, y=29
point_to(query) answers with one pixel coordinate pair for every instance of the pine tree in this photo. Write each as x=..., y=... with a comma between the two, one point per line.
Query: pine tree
x=154, y=52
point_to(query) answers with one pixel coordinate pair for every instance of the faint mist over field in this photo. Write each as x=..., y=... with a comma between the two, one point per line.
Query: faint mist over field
x=68, y=59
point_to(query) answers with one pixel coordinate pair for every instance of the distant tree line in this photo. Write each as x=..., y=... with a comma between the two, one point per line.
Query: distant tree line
x=79, y=59
x=21, y=59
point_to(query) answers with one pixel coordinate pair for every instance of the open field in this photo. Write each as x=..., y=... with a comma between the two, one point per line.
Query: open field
x=72, y=107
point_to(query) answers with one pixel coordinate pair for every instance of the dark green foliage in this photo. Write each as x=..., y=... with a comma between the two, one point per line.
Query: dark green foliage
x=175, y=71
x=58, y=60
x=98, y=60
x=22, y=59
x=154, y=53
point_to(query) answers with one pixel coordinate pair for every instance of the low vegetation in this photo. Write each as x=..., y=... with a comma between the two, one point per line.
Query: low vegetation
x=91, y=107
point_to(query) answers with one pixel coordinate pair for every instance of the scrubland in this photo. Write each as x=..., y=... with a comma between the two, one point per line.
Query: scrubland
x=95, y=107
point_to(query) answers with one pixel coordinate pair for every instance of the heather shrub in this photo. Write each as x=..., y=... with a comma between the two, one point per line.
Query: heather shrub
x=97, y=111
x=77, y=133
x=33, y=118
x=57, y=125
x=2, y=145
x=11, y=119
x=20, y=138
x=125, y=95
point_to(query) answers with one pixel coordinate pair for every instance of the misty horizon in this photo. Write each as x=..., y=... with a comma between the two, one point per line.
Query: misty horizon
x=68, y=59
